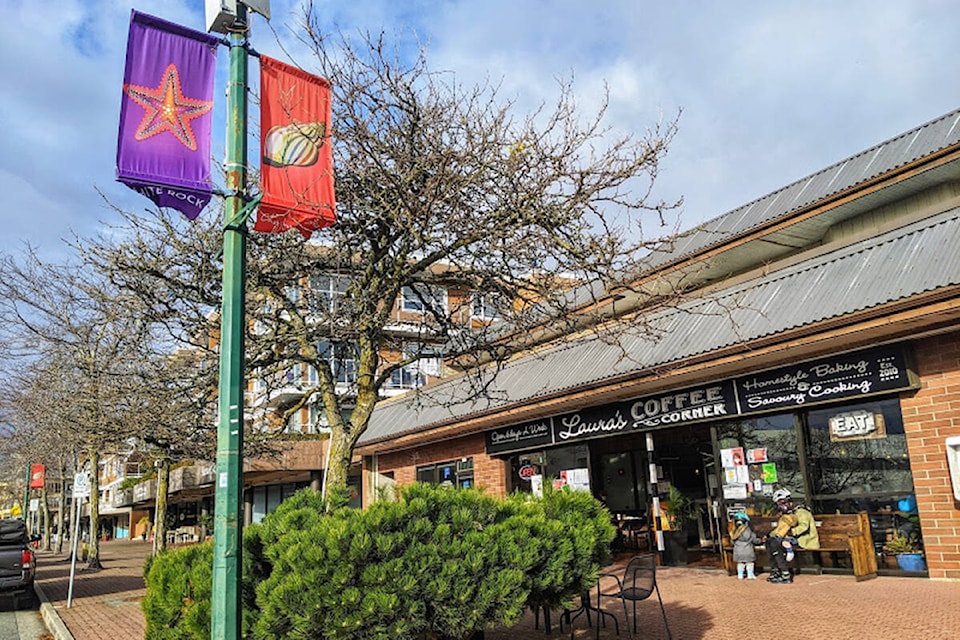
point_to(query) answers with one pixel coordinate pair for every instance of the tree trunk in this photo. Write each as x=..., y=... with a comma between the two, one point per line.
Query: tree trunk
x=338, y=462
x=45, y=512
x=160, y=515
x=93, y=553
x=63, y=506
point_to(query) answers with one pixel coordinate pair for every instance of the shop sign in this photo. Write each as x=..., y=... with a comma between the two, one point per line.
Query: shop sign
x=669, y=409
x=527, y=471
x=842, y=377
x=519, y=436
x=682, y=407
x=845, y=376
x=857, y=425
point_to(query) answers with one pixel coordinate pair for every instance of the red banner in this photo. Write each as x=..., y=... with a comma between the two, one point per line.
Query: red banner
x=36, y=476
x=296, y=162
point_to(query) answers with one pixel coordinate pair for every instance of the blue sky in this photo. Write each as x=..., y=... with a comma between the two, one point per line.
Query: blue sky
x=771, y=90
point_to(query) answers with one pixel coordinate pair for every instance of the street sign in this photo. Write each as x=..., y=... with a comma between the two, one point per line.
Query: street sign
x=81, y=485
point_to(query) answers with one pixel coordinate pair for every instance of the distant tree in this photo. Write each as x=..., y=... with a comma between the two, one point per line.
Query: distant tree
x=439, y=186
x=39, y=411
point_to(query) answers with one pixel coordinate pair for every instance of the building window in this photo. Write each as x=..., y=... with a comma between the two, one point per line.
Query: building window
x=326, y=293
x=851, y=457
x=482, y=308
x=267, y=498
x=767, y=458
x=342, y=359
x=457, y=473
x=295, y=422
x=414, y=375
x=422, y=297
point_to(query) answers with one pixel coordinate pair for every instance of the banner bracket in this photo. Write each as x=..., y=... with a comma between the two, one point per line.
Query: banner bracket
x=238, y=221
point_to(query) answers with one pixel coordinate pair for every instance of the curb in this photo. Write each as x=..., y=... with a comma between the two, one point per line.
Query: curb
x=50, y=616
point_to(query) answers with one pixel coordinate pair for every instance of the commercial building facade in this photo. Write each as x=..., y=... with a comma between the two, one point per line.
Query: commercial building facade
x=814, y=346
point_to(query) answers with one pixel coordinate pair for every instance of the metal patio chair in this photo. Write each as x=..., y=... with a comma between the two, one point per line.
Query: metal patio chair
x=639, y=582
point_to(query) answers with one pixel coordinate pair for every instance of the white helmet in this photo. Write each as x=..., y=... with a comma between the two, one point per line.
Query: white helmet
x=780, y=495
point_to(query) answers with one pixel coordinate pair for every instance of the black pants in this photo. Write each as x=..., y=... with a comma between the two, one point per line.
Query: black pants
x=778, y=557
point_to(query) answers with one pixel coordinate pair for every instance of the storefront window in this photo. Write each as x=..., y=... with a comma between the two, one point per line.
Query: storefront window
x=458, y=473
x=857, y=456
x=547, y=465
x=758, y=456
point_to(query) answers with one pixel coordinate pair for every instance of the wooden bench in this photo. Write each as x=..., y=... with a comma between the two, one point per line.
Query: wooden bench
x=847, y=534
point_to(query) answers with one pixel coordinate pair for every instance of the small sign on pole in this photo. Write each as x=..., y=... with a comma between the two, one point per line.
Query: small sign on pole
x=81, y=485
x=81, y=490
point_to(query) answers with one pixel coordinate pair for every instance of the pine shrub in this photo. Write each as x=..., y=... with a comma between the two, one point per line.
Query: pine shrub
x=438, y=563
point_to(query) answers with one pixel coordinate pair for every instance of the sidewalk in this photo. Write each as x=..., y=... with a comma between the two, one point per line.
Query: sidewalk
x=106, y=604
x=701, y=604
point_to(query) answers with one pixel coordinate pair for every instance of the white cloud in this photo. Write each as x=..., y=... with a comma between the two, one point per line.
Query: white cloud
x=770, y=91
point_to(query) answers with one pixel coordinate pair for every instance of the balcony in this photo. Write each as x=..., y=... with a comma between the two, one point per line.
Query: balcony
x=182, y=478
x=285, y=395
x=122, y=498
x=206, y=473
x=145, y=491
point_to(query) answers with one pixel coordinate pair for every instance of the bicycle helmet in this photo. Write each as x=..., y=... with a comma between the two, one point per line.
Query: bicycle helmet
x=740, y=516
x=781, y=495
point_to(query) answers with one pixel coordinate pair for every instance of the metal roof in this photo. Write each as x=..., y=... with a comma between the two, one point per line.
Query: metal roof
x=917, y=258
x=923, y=141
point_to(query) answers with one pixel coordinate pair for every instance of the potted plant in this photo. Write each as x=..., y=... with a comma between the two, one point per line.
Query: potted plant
x=908, y=553
x=679, y=511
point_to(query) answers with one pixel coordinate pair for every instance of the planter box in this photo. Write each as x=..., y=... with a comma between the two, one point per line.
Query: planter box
x=675, y=548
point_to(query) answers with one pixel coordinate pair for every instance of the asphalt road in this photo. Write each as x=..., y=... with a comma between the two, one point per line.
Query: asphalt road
x=22, y=624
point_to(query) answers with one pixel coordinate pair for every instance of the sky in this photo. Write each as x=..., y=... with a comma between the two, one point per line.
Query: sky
x=770, y=90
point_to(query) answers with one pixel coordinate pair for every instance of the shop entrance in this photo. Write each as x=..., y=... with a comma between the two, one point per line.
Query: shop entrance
x=685, y=460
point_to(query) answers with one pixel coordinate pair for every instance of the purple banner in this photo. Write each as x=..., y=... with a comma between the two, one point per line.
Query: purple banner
x=163, y=150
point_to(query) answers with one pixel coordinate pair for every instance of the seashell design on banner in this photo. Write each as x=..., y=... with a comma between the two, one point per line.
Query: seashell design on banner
x=294, y=145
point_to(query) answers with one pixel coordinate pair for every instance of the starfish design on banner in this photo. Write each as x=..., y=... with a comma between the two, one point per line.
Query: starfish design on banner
x=167, y=109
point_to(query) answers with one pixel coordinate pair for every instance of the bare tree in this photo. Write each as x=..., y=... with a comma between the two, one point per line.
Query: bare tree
x=88, y=342
x=439, y=186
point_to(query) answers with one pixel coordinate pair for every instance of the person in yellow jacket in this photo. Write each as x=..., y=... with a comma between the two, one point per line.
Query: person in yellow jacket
x=795, y=526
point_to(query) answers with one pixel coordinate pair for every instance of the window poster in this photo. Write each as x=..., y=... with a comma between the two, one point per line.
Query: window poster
x=734, y=491
x=732, y=457
x=756, y=455
x=729, y=476
x=577, y=479
x=770, y=472
x=536, y=485
x=737, y=455
x=726, y=458
x=742, y=474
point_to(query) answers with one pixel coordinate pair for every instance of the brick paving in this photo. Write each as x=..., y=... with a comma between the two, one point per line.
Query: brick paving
x=701, y=604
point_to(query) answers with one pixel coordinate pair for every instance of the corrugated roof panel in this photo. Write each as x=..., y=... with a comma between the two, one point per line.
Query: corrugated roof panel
x=912, y=145
x=920, y=257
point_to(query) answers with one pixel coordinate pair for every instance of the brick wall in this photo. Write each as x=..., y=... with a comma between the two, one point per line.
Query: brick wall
x=930, y=416
x=488, y=472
